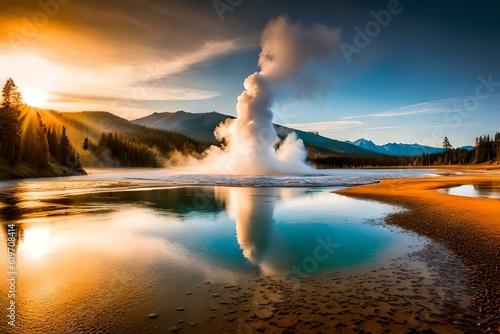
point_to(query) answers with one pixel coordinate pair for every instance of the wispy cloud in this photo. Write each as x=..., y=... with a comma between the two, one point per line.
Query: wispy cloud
x=450, y=125
x=92, y=52
x=165, y=94
x=72, y=86
x=207, y=51
x=386, y=127
x=326, y=126
x=431, y=107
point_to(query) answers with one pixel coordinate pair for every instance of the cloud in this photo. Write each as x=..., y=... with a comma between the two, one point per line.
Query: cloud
x=386, y=127
x=453, y=125
x=326, y=126
x=93, y=51
x=421, y=108
x=208, y=50
x=166, y=94
x=434, y=107
x=96, y=33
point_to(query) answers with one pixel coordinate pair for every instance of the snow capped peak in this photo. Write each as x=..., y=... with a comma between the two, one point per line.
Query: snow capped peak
x=396, y=149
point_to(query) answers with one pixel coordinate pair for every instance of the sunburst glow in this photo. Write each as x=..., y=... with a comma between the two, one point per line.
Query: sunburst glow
x=34, y=97
x=36, y=242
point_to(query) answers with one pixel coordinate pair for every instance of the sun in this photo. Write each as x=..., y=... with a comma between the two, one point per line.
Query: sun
x=34, y=97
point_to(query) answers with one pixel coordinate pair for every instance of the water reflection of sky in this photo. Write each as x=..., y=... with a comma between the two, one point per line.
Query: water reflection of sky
x=154, y=245
x=485, y=189
x=230, y=229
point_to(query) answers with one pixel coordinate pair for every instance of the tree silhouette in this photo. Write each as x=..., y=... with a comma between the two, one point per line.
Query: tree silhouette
x=10, y=128
x=86, y=143
x=42, y=156
x=67, y=154
x=446, y=144
x=11, y=95
x=53, y=141
x=487, y=148
x=34, y=145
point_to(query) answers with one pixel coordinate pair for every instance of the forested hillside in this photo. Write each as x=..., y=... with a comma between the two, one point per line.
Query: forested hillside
x=144, y=148
x=106, y=140
x=28, y=148
x=38, y=142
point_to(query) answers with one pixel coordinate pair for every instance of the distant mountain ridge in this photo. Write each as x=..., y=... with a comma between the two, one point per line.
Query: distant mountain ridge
x=201, y=126
x=400, y=149
x=180, y=126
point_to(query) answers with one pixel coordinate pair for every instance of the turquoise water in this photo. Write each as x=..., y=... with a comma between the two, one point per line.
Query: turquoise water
x=266, y=230
x=97, y=255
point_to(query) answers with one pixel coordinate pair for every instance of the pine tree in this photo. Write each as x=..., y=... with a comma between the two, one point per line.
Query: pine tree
x=64, y=149
x=86, y=143
x=10, y=128
x=11, y=95
x=497, y=145
x=53, y=142
x=446, y=144
x=67, y=154
x=42, y=153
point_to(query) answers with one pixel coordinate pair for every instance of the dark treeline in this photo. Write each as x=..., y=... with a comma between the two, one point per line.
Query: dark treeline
x=487, y=149
x=26, y=139
x=61, y=150
x=354, y=161
x=448, y=157
x=144, y=148
x=357, y=161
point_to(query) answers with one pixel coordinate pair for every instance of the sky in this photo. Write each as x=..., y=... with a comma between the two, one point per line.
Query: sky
x=409, y=71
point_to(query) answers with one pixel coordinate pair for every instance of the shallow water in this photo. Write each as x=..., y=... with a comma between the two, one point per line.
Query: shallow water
x=486, y=189
x=98, y=254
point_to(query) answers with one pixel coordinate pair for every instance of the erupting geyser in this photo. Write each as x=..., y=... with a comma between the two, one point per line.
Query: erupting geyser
x=289, y=61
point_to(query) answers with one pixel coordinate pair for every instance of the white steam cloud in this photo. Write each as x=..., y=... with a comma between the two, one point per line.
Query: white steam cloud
x=290, y=61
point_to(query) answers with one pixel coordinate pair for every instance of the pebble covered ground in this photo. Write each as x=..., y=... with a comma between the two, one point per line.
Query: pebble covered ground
x=422, y=292
x=469, y=227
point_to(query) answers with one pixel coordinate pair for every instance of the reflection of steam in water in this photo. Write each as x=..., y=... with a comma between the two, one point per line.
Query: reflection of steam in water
x=254, y=219
x=274, y=236
x=261, y=241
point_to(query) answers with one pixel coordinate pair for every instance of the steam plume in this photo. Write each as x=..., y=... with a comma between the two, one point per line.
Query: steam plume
x=289, y=61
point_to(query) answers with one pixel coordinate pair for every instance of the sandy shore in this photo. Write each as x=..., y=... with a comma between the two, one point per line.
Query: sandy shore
x=421, y=292
x=470, y=227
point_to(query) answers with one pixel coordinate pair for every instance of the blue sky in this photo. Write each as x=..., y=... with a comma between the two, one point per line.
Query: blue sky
x=432, y=71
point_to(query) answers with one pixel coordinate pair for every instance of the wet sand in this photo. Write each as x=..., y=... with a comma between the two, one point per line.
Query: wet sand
x=469, y=227
x=422, y=292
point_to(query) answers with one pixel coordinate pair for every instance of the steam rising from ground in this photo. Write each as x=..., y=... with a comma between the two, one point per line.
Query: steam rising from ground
x=290, y=61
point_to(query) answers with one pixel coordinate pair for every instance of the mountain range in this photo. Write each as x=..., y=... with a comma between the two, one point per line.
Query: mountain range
x=179, y=126
x=399, y=149
x=201, y=126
